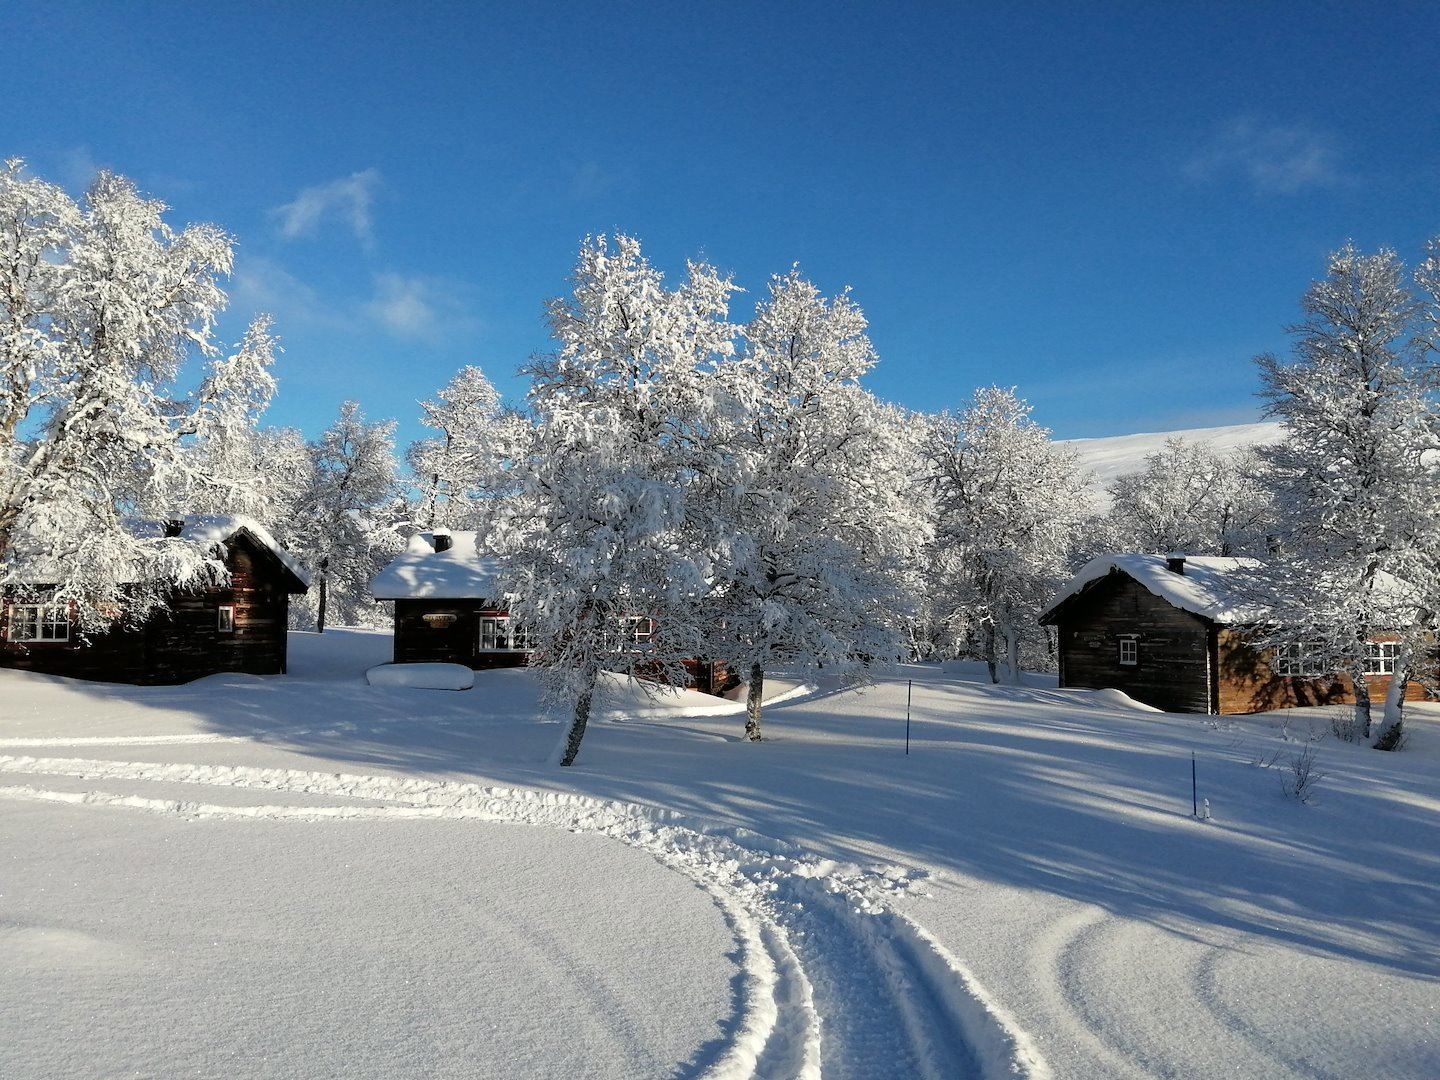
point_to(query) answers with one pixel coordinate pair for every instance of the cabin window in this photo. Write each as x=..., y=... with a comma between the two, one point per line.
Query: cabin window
x=1381, y=656
x=225, y=619
x=632, y=633
x=1129, y=651
x=499, y=634
x=39, y=622
x=1298, y=660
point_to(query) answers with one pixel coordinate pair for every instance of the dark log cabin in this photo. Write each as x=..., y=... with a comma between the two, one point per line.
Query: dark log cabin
x=239, y=626
x=1175, y=633
x=449, y=608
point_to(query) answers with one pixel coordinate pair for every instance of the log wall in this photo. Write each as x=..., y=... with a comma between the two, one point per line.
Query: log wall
x=184, y=641
x=1173, y=665
x=458, y=642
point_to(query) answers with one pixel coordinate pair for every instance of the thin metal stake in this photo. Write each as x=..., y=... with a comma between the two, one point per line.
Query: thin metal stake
x=909, y=687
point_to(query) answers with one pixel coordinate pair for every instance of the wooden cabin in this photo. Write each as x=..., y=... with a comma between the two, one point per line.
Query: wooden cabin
x=1176, y=632
x=239, y=626
x=450, y=608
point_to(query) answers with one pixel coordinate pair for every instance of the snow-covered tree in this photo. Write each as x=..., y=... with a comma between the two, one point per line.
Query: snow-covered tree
x=460, y=470
x=1356, y=477
x=1192, y=498
x=233, y=464
x=596, y=533
x=345, y=525
x=102, y=304
x=1007, y=504
x=809, y=517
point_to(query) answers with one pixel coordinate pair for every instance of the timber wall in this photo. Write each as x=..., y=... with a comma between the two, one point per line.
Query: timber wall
x=1173, y=659
x=418, y=640
x=184, y=641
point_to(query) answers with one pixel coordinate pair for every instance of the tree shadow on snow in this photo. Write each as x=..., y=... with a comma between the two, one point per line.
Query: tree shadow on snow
x=1025, y=787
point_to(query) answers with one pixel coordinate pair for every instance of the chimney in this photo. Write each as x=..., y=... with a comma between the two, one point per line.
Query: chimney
x=1175, y=564
x=173, y=526
x=442, y=540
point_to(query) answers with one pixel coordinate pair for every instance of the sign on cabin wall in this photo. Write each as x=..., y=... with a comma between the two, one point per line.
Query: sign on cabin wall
x=439, y=620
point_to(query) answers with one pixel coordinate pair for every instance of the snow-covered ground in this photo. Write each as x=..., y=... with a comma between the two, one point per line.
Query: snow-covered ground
x=309, y=874
x=1122, y=455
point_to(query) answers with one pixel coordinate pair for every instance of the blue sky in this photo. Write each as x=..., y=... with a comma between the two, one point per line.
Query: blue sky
x=1111, y=207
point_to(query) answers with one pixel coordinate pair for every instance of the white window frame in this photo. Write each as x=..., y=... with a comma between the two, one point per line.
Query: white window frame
x=1381, y=657
x=1297, y=661
x=1129, y=652
x=631, y=634
x=225, y=618
x=38, y=624
x=495, y=629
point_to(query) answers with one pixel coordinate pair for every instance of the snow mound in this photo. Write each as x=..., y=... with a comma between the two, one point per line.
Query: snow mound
x=422, y=676
x=1120, y=700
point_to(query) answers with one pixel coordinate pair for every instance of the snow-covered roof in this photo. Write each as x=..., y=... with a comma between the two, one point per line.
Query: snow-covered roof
x=460, y=572
x=1212, y=587
x=206, y=531
x=210, y=530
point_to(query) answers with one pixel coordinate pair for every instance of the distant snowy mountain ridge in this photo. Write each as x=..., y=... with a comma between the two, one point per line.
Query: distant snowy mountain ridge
x=1121, y=455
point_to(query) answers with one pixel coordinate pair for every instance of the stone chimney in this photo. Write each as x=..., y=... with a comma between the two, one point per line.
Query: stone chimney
x=1175, y=564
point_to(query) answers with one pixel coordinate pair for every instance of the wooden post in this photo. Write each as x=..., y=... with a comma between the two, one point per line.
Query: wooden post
x=909, y=687
x=1194, y=789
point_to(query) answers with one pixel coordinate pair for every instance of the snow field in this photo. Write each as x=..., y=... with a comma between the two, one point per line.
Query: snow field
x=168, y=945
x=837, y=917
x=1060, y=862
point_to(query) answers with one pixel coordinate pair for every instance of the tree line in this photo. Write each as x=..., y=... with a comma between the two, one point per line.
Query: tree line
x=735, y=481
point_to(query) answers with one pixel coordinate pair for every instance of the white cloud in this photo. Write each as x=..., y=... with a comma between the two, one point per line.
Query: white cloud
x=261, y=284
x=349, y=199
x=420, y=308
x=430, y=310
x=1281, y=159
x=78, y=168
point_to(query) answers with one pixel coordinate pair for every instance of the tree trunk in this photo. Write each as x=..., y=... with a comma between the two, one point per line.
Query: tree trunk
x=1392, y=726
x=1361, y=722
x=320, y=608
x=752, y=702
x=987, y=637
x=1012, y=655
x=578, y=722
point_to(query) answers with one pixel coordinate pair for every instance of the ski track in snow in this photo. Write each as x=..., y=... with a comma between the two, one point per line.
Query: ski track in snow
x=1072, y=957
x=815, y=939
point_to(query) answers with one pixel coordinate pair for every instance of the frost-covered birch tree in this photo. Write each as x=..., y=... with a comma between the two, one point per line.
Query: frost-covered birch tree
x=234, y=465
x=810, y=522
x=461, y=469
x=1007, y=504
x=597, y=533
x=345, y=525
x=1355, y=476
x=102, y=304
x=1192, y=498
